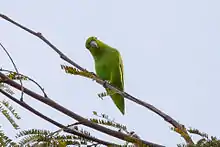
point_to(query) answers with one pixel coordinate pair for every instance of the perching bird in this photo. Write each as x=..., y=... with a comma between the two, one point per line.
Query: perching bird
x=109, y=67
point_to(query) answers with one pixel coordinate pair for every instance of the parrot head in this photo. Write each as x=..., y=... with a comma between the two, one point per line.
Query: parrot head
x=91, y=42
x=94, y=45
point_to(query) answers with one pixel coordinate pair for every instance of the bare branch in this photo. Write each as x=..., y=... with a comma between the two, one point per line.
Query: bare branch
x=66, y=129
x=32, y=80
x=68, y=126
x=75, y=116
x=13, y=63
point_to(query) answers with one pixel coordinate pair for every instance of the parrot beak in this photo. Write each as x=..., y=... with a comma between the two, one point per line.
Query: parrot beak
x=94, y=44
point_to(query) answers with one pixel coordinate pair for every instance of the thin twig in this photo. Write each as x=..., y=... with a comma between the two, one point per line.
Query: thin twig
x=13, y=63
x=166, y=117
x=32, y=80
x=75, y=116
x=68, y=126
x=66, y=129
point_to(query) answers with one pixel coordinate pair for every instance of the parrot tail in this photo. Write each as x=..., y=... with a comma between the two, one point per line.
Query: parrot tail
x=119, y=101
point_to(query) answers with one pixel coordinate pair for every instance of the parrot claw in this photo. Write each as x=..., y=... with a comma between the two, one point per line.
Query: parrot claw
x=105, y=84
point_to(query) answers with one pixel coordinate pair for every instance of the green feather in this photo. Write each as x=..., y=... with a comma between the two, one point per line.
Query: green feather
x=109, y=66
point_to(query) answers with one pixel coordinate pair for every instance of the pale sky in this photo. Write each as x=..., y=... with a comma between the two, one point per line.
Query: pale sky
x=170, y=51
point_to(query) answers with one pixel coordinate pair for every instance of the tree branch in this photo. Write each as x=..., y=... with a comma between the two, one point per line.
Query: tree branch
x=32, y=80
x=64, y=128
x=75, y=116
x=15, y=67
x=166, y=117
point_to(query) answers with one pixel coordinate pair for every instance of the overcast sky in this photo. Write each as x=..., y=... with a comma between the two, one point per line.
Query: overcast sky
x=170, y=51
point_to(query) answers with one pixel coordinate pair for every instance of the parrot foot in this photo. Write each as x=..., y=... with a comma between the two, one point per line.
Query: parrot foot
x=105, y=84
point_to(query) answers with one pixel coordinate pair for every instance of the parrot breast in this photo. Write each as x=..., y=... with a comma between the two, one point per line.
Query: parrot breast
x=103, y=70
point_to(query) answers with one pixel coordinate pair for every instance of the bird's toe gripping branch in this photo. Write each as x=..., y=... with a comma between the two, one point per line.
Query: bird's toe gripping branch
x=105, y=84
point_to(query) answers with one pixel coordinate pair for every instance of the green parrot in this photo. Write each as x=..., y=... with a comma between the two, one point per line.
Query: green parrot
x=109, y=67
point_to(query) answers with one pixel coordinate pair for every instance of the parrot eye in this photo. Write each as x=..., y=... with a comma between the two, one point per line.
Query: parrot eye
x=94, y=44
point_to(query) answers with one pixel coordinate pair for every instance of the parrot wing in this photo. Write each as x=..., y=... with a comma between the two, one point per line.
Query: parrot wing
x=117, y=80
x=121, y=69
